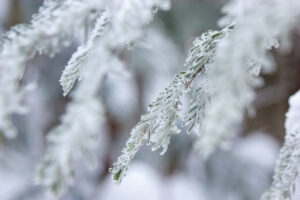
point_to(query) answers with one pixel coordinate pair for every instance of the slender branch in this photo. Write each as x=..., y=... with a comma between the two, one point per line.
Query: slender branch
x=188, y=84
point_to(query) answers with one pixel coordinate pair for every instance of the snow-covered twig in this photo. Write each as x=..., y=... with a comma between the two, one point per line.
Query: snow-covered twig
x=157, y=125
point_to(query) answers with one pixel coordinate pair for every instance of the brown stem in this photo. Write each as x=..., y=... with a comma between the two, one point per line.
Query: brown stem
x=188, y=84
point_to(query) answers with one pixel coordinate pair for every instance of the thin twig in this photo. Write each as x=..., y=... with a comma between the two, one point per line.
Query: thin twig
x=188, y=84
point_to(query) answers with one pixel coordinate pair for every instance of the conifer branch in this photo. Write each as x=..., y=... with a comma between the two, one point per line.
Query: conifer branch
x=157, y=125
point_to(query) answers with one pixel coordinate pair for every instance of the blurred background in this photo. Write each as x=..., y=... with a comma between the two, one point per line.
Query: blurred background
x=243, y=172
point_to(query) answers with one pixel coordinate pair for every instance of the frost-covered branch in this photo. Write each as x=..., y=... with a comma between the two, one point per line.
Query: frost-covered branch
x=79, y=58
x=157, y=125
x=48, y=32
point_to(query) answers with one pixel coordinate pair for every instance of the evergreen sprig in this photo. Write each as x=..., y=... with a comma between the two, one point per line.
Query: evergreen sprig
x=160, y=121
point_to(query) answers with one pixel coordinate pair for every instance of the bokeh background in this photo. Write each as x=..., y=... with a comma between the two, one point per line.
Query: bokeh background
x=242, y=172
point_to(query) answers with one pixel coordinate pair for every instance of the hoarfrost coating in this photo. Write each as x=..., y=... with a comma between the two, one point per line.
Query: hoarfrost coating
x=221, y=74
x=157, y=125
